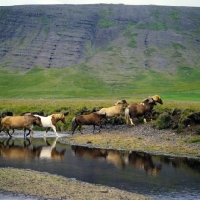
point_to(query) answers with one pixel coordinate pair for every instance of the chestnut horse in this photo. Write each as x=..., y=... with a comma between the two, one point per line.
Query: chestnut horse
x=50, y=122
x=90, y=119
x=26, y=122
x=144, y=108
x=114, y=111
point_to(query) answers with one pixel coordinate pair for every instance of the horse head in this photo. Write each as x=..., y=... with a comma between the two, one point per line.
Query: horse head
x=37, y=121
x=63, y=119
x=60, y=117
x=148, y=101
x=123, y=102
x=157, y=99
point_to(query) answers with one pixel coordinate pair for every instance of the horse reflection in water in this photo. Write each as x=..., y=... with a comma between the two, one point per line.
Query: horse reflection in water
x=145, y=162
x=28, y=150
x=49, y=151
x=89, y=152
x=120, y=158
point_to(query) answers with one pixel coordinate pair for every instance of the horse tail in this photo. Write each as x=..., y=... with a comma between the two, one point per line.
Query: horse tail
x=73, y=124
x=127, y=116
x=0, y=124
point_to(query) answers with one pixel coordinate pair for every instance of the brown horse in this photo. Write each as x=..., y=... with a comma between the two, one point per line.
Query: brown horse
x=90, y=119
x=144, y=108
x=114, y=111
x=93, y=153
x=156, y=98
x=144, y=161
x=25, y=122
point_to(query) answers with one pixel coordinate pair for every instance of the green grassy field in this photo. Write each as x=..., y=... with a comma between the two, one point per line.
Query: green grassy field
x=70, y=83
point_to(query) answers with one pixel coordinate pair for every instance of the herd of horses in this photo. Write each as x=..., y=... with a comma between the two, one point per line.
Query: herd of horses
x=28, y=120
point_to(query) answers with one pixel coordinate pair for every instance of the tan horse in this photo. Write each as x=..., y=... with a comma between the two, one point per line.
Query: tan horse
x=114, y=111
x=50, y=122
x=25, y=122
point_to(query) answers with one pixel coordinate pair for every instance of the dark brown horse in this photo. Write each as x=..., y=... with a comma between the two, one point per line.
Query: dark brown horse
x=90, y=119
x=142, y=109
x=26, y=122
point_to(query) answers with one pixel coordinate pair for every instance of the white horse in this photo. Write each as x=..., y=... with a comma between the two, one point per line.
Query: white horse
x=50, y=122
x=49, y=151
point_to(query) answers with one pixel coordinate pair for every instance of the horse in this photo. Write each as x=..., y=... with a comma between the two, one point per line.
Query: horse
x=94, y=153
x=50, y=122
x=49, y=151
x=144, y=161
x=114, y=111
x=25, y=122
x=46, y=151
x=153, y=101
x=156, y=98
x=89, y=119
x=142, y=109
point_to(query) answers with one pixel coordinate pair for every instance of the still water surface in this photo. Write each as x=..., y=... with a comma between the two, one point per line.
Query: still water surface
x=161, y=177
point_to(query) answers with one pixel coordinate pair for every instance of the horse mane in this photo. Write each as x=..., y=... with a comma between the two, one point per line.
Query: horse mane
x=121, y=102
x=57, y=115
x=148, y=101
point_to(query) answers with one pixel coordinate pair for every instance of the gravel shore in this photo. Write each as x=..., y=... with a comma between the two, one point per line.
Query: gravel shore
x=142, y=137
x=36, y=185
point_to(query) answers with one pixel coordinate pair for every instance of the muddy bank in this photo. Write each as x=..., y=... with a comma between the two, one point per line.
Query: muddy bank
x=141, y=137
x=42, y=186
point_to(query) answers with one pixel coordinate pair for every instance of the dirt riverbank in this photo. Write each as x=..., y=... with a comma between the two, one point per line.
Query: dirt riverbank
x=141, y=137
x=36, y=185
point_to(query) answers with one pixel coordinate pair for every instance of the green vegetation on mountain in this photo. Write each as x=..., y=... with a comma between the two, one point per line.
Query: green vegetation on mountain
x=99, y=51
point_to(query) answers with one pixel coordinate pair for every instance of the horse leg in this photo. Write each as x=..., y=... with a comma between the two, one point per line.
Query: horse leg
x=54, y=129
x=25, y=135
x=145, y=117
x=114, y=121
x=7, y=131
x=131, y=120
x=100, y=128
x=74, y=128
x=79, y=128
x=93, y=128
x=45, y=133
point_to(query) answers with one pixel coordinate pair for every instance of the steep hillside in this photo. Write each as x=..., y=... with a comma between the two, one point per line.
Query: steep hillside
x=121, y=47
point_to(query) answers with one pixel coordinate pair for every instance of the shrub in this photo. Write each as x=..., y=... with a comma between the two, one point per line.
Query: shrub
x=164, y=121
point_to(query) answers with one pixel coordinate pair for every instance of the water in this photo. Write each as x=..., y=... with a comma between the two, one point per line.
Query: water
x=161, y=177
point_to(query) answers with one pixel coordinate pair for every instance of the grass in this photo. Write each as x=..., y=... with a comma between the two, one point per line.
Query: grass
x=97, y=82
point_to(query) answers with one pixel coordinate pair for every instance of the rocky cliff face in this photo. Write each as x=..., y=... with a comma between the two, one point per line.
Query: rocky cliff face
x=58, y=36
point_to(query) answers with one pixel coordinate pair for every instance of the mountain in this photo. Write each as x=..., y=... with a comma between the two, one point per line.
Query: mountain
x=121, y=49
